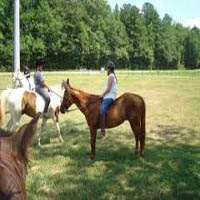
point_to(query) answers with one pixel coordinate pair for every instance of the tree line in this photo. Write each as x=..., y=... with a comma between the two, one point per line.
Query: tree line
x=74, y=34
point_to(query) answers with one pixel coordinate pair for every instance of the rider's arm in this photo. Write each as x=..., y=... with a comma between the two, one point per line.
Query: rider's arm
x=109, y=85
x=40, y=79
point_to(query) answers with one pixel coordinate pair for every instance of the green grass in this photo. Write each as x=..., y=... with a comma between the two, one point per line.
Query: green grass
x=170, y=169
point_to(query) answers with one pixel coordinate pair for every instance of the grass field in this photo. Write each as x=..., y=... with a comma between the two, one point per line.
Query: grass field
x=170, y=169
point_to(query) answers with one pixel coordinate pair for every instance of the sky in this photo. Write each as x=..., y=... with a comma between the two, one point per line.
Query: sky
x=186, y=12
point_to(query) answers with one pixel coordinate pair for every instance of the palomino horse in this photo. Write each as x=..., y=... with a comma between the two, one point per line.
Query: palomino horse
x=20, y=81
x=14, y=160
x=21, y=101
x=128, y=106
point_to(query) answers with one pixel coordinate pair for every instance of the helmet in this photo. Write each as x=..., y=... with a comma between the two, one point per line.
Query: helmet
x=39, y=63
x=110, y=64
x=26, y=68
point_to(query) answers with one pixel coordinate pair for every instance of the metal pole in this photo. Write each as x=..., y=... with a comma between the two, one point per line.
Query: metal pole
x=16, y=41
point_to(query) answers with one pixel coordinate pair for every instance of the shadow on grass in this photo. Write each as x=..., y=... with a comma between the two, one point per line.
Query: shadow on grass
x=170, y=169
x=174, y=132
x=50, y=132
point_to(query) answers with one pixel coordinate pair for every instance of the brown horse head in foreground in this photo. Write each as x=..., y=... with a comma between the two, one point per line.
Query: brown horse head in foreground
x=14, y=160
x=128, y=106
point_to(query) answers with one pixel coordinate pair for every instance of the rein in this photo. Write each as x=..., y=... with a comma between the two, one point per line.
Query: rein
x=82, y=107
x=56, y=93
x=64, y=98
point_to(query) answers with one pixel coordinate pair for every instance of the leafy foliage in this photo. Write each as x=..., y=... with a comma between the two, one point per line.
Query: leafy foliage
x=86, y=33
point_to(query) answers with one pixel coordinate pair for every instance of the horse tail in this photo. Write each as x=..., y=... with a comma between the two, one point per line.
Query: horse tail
x=143, y=126
x=3, y=100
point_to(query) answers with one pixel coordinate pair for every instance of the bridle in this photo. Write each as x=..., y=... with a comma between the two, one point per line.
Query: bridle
x=8, y=164
x=82, y=107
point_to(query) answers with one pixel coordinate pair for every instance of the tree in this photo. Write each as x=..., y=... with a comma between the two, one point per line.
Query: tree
x=180, y=34
x=86, y=33
x=168, y=55
x=152, y=19
x=6, y=36
x=117, y=39
x=192, y=49
x=140, y=51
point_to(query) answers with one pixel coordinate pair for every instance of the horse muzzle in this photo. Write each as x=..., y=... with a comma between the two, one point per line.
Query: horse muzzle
x=62, y=109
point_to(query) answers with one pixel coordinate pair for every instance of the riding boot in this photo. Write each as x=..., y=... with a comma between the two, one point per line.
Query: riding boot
x=45, y=113
x=102, y=122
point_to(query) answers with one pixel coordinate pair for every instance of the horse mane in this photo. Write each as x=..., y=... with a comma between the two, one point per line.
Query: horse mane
x=91, y=97
x=23, y=153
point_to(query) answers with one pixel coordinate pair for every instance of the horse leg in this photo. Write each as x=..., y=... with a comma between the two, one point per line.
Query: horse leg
x=44, y=120
x=135, y=126
x=142, y=143
x=142, y=132
x=93, y=134
x=58, y=129
x=9, y=124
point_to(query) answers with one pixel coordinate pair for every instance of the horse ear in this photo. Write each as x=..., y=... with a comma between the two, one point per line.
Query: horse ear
x=64, y=85
x=67, y=81
x=27, y=132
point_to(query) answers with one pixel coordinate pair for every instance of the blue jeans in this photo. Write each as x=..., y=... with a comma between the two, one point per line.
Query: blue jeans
x=104, y=105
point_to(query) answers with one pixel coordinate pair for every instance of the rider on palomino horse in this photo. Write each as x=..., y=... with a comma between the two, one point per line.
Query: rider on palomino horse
x=40, y=86
x=27, y=76
x=109, y=94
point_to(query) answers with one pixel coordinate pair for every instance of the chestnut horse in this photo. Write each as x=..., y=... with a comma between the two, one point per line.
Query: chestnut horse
x=14, y=160
x=128, y=106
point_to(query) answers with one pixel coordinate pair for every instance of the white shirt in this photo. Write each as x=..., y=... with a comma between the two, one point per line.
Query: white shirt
x=113, y=90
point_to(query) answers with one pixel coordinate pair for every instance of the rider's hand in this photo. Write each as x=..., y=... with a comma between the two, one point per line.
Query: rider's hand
x=101, y=96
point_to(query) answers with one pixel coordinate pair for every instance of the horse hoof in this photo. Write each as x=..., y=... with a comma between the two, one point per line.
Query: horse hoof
x=136, y=153
x=142, y=154
x=103, y=134
x=92, y=157
x=100, y=136
x=61, y=140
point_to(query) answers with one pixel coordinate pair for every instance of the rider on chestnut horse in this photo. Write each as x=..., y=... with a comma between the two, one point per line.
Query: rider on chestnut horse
x=109, y=94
